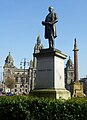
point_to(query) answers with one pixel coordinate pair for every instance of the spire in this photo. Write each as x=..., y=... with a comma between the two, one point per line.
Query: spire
x=38, y=45
x=9, y=53
x=38, y=39
x=37, y=48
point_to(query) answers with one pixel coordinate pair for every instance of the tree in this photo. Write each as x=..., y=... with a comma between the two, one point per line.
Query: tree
x=10, y=82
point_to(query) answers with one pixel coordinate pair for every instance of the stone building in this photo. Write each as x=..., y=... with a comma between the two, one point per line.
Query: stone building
x=84, y=81
x=69, y=73
x=20, y=76
x=24, y=78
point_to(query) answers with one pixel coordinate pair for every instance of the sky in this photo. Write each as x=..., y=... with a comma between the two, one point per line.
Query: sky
x=20, y=23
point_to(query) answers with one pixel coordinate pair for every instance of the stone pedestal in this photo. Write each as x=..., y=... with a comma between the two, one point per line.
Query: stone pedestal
x=52, y=93
x=77, y=89
x=50, y=74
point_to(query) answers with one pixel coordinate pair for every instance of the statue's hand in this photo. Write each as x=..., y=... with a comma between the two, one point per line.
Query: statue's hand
x=43, y=23
x=49, y=23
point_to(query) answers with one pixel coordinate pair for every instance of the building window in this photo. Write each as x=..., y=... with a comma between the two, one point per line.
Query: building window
x=16, y=79
x=9, y=72
x=15, y=90
x=19, y=79
x=22, y=80
x=27, y=79
x=21, y=86
x=71, y=74
x=25, y=90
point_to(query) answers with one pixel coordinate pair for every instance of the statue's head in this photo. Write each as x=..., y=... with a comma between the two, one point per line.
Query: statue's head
x=50, y=9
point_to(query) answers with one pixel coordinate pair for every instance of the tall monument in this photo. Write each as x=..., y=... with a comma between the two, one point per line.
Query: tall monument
x=76, y=86
x=75, y=61
x=50, y=64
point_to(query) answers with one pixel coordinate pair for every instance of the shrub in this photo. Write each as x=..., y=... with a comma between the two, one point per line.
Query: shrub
x=33, y=108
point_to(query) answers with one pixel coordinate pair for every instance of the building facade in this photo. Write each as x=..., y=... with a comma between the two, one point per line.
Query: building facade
x=84, y=81
x=18, y=76
x=22, y=78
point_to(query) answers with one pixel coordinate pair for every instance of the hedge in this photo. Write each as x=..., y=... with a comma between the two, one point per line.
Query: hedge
x=33, y=108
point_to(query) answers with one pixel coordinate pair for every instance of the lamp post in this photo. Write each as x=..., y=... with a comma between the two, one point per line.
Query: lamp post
x=23, y=63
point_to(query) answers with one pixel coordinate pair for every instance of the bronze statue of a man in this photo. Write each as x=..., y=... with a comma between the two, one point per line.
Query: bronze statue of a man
x=50, y=27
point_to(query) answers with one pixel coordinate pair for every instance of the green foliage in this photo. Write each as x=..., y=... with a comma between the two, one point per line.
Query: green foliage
x=33, y=108
x=10, y=82
x=14, y=107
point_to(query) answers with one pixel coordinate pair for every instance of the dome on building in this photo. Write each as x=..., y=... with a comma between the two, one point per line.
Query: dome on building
x=69, y=63
x=9, y=60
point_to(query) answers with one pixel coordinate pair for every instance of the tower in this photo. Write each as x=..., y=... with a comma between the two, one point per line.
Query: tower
x=69, y=73
x=75, y=61
x=8, y=75
x=9, y=67
x=33, y=64
x=37, y=48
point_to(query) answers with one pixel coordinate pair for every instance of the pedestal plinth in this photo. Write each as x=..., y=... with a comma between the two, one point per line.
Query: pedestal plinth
x=77, y=89
x=50, y=74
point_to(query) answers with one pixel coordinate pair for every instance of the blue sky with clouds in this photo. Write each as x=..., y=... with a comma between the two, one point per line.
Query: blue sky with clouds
x=20, y=23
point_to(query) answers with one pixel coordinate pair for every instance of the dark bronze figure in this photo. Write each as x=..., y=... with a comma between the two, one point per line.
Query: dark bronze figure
x=50, y=27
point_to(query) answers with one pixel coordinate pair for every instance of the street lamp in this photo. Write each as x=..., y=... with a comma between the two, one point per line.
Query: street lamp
x=24, y=62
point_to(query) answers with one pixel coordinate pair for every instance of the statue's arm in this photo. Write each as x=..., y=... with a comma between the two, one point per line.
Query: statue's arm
x=50, y=23
x=45, y=23
x=55, y=19
x=54, y=22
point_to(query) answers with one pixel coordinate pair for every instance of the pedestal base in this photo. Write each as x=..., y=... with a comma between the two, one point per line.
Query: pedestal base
x=51, y=93
x=49, y=80
x=77, y=89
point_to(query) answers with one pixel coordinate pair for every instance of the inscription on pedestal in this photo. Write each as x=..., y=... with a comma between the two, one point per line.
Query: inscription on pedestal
x=41, y=70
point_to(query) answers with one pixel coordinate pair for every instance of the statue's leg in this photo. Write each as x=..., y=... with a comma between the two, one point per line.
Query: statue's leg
x=53, y=43
x=50, y=43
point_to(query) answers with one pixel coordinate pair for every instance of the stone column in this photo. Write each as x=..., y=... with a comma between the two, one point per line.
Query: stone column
x=75, y=61
x=76, y=86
